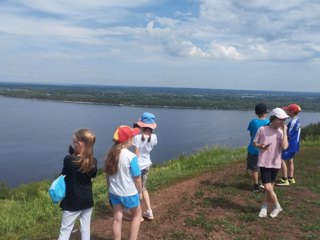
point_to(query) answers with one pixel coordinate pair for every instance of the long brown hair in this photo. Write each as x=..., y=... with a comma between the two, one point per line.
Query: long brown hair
x=85, y=158
x=112, y=159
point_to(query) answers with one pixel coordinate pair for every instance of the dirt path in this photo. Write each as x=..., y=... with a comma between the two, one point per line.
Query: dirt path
x=164, y=202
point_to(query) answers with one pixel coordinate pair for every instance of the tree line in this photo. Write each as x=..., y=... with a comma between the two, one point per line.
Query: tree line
x=222, y=100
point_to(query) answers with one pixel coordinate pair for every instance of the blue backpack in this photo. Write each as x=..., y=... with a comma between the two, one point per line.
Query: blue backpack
x=57, y=190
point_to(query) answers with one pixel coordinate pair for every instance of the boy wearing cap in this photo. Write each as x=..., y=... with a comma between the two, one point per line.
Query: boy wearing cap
x=253, y=153
x=293, y=132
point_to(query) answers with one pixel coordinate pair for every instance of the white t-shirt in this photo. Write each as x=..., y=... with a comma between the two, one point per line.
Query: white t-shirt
x=121, y=183
x=145, y=148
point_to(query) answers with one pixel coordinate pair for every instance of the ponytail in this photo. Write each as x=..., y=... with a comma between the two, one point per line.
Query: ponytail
x=112, y=159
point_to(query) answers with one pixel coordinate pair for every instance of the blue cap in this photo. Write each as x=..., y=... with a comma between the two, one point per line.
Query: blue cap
x=147, y=120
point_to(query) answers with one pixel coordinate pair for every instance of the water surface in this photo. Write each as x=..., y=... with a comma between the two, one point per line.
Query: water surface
x=35, y=135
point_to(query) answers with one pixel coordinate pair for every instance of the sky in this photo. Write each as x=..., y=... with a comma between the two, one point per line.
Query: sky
x=218, y=44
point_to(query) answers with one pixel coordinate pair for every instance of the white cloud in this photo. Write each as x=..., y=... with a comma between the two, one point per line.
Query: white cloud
x=150, y=32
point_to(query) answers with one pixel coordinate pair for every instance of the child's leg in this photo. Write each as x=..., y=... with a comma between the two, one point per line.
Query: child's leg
x=271, y=195
x=255, y=177
x=290, y=167
x=117, y=221
x=135, y=222
x=145, y=194
x=85, y=220
x=284, y=169
x=67, y=223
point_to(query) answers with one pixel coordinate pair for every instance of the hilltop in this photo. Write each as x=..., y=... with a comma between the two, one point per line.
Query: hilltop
x=205, y=195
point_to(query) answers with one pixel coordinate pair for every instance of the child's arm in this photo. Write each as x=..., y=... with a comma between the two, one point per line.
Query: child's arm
x=136, y=144
x=136, y=151
x=284, y=143
x=136, y=173
x=261, y=146
x=137, y=182
x=256, y=141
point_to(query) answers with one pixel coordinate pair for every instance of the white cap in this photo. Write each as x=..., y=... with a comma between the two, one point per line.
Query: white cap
x=279, y=113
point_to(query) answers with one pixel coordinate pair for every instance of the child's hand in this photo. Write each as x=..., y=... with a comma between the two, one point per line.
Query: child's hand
x=285, y=128
x=71, y=150
x=265, y=146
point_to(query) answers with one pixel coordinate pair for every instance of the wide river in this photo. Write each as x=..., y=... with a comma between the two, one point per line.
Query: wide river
x=35, y=135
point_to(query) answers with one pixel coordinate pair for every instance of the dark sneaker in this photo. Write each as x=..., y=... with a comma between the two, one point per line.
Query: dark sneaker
x=256, y=188
x=283, y=182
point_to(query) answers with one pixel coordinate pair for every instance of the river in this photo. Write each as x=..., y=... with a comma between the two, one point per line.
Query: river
x=35, y=135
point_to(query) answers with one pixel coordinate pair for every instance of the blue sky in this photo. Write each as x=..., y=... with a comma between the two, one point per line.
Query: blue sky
x=220, y=44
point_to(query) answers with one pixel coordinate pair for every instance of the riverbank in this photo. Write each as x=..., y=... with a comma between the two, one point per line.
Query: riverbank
x=206, y=195
x=185, y=98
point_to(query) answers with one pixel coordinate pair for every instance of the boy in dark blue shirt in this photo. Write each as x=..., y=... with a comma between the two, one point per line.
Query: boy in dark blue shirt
x=294, y=129
x=253, y=153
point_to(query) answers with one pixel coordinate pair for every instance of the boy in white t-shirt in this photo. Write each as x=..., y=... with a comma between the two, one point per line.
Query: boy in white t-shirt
x=144, y=143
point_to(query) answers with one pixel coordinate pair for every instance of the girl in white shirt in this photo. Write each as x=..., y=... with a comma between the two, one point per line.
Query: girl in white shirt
x=123, y=176
x=144, y=143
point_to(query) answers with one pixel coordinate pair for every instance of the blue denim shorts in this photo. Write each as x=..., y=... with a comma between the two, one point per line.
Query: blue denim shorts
x=128, y=202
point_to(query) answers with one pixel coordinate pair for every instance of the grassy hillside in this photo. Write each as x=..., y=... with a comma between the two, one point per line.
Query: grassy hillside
x=27, y=212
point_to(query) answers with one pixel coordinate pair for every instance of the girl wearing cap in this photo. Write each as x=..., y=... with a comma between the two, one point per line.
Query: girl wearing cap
x=271, y=140
x=144, y=143
x=123, y=177
x=79, y=167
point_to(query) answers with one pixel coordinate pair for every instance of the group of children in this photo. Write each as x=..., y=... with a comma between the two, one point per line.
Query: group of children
x=273, y=146
x=127, y=174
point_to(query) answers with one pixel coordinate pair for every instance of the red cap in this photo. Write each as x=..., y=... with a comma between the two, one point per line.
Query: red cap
x=295, y=108
x=124, y=133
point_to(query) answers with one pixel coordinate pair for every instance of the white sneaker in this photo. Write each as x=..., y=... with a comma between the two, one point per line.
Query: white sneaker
x=148, y=214
x=275, y=212
x=263, y=213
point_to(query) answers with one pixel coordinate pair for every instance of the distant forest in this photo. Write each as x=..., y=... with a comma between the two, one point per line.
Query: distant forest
x=162, y=97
